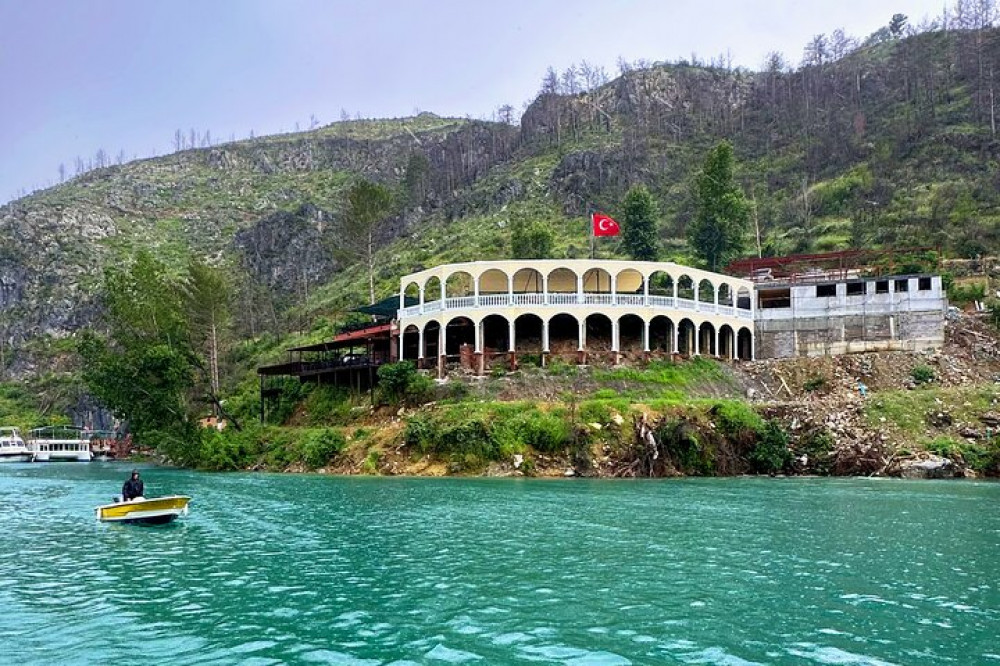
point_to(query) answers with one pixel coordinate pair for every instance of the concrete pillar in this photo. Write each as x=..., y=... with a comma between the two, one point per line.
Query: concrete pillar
x=479, y=337
x=579, y=288
x=475, y=291
x=615, y=335
x=420, y=345
x=545, y=336
x=614, y=287
x=645, y=336
x=545, y=291
x=675, y=339
x=421, y=302
x=718, y=349
x=732, y=347
x=753, y=352
x=645, y=291
x=697, y=340
x=444, y=292
x=402, y=297
x=673, y=283
x=510, y=289
x=511, y=346
x=582, y=335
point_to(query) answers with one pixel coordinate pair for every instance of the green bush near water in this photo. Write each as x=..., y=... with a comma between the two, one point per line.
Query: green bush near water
x=475, y=435
x=268, y=447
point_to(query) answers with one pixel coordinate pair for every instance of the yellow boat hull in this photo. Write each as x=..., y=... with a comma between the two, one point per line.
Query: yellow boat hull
x=156, y=511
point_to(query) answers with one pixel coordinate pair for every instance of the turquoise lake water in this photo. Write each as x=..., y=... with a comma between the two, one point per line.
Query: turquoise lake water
x=272, y=569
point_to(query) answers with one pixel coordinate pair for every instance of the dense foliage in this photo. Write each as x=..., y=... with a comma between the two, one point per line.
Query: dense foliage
x=718, y=231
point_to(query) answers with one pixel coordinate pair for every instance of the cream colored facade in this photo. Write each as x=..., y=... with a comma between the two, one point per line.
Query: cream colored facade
x=666, y=307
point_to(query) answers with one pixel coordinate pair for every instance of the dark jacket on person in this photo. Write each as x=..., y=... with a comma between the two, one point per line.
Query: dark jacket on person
x=132, y=489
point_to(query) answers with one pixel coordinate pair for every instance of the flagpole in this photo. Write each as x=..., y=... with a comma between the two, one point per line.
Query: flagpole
x=593, y=238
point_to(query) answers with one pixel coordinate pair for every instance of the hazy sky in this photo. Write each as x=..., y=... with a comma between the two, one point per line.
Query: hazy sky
x=79, y=75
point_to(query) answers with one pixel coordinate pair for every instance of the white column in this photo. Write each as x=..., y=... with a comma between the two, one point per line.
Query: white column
x=510, y=289
x=753, y=352
x=475, y=291
x=697, y=340
x=479, y=337
x=510, y=342
x=614, y=288
x=579, y=288
x=674, y=285
x=444, y=292
x=545, y=335
x=582, y=335
x=645, y=291
x=645, y=336
x=718, y=349
x=545, y=292
x=615, y=335
x=402, y=297
x=676, y=341
x=421, y=305
x=442, y=351
x=420, y=342
x=732, y=346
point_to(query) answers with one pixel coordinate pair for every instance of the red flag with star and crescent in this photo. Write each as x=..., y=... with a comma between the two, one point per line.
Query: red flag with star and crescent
x=604, y=225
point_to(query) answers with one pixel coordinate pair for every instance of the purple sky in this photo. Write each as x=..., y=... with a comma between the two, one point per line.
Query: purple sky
x=79, y=75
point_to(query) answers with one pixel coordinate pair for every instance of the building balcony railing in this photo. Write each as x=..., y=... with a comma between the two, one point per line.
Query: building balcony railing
x=561, y=299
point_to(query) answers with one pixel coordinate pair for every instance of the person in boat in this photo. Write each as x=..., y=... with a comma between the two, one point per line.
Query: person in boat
x=133, y=487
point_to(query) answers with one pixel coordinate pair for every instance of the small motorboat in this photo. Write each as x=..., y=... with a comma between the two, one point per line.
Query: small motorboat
x=154, y=511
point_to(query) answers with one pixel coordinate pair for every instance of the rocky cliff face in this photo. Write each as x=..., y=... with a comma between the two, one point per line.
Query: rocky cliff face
x=269, y=202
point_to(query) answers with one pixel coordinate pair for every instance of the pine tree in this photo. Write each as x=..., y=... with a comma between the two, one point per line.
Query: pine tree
x=718, y=231
x=639, y=235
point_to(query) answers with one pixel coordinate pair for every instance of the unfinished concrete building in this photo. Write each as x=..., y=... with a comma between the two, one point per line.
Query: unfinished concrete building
x=808, y=307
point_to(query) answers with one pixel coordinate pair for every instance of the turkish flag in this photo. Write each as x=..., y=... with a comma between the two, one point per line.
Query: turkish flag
x=604, y=225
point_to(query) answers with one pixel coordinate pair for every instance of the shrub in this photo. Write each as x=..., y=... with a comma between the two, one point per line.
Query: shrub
x=370, y=465
x=816, y=383
x=319, y=446
x=980, y=457
x=545, y=431
x=922, y=374
x=771, y=452
x=738, y=421
x=401, y=383
x=680, y=442
x=328, y=405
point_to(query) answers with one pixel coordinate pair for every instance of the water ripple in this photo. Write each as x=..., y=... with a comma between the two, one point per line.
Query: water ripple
x=272, y=569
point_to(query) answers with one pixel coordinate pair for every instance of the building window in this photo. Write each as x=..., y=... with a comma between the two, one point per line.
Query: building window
x=857, y=288
x=902, y=285
x=882, y=287
x=774, y=298
x=826, y=290
x=924, y=284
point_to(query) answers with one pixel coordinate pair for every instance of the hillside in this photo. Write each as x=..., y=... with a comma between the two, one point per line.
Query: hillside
x=889, y=144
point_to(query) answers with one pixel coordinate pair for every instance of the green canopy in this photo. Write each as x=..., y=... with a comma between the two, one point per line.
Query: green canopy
x=387, y=307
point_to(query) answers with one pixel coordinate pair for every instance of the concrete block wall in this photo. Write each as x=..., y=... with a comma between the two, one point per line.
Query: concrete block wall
x=812, y=325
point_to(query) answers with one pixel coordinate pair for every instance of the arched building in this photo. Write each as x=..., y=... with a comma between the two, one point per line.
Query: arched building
x=577, y=308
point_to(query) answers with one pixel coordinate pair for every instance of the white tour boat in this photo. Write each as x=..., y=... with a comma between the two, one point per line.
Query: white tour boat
x=60, y=444
x=12, y=447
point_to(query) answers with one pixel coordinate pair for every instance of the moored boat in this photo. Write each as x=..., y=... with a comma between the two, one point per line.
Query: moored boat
x=59, y=444
x=12, y=446
x=154, y=511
